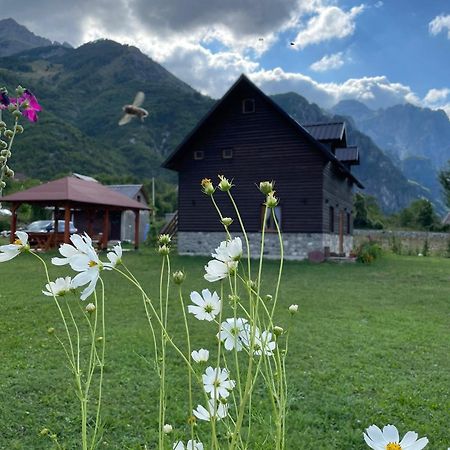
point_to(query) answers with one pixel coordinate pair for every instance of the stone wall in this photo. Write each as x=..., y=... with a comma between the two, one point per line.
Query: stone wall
x=406, y=242
x=296, y=245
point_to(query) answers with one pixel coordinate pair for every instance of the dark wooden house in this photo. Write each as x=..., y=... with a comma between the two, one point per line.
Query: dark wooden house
x=247, y=137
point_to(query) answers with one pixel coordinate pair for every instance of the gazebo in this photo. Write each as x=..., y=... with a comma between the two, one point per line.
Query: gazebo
x=72, y=194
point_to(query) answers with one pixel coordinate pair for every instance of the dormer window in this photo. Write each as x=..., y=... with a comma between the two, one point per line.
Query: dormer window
x=248, y=105
x=199, y=154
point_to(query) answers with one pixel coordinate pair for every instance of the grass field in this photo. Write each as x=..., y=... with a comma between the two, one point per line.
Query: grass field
x=370, y=345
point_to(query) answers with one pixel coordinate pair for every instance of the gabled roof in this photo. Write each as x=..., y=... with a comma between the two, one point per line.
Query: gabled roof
x=129, y=190
x=74, y=190
x=169, y=163
x=329, y=131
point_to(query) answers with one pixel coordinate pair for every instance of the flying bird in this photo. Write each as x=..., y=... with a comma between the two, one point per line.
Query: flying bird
x=134, y=110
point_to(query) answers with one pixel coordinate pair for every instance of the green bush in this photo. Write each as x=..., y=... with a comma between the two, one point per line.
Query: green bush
x=368, y=251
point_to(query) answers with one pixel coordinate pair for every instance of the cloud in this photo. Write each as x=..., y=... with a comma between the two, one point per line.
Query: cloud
x=330, y=22
x=438, y=24
x=328, y=62
x=436, y=95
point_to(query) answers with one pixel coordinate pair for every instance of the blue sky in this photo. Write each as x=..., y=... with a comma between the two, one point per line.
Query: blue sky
x=381, y=52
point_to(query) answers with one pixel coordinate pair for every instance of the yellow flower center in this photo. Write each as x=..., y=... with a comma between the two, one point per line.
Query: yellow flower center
x=393, y=446
x=92, y=263
x=18, y=242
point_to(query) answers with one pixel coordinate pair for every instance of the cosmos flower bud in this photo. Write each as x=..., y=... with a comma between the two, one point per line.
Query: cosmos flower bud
x=8, y=134
x=268, y=298
x=293, y=309
x=167, y=428
x=266, y=187
x=50, y=330
x=178, y=277
x=207, y=186
x=12, y=107
x=271, y=200
x=224, y=184
x=90, y=308
x=2, y=159
x=163, y=250
x=2, y=183
x=233, y=298
x=278, y=331
x=16, y=113
x=2, y=125
x=4, y=152
x=164, y=239
x=227, y=221
x=19, y=129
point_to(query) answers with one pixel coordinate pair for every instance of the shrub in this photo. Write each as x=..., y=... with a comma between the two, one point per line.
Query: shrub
x=368, y=251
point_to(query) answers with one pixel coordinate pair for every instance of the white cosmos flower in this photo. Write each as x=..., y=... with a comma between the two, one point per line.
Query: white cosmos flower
x=263, y=343
x=201, y=355
x=388, y=439
x=20, y=245
x=59, y=287
x=217, y=410
x=191, y=445
x=217, y=270
x=82, y=258
x=216, y=382
x=231, y=333
x=208, y=305
x=229, y=250
x=115, y=257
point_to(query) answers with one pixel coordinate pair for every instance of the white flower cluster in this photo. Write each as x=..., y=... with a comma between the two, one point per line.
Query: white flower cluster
x=225, y=262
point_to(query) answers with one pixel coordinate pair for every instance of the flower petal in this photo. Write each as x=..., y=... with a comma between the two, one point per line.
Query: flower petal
x=390, y=433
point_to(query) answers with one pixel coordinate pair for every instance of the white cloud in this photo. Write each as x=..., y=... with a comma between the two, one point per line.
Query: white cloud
x=330, y=22
x=328, y=62
x=439, y=24
x=436, y=96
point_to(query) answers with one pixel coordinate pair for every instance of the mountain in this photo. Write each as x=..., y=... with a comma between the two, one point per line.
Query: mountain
x=380, y=176
x=15, y=38
x=82, y=92
x=418, y=139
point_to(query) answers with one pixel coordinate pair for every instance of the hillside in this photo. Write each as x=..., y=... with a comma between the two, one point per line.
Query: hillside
x=417, y=138
x=380, y=176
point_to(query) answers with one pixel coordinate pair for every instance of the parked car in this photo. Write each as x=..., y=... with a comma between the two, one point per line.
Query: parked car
x=47, y=226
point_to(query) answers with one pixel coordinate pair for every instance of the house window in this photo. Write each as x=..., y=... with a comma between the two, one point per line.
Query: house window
x=270, y=222
x=349, y=223
x=248, y=105
x=227, y=153
x=199, y=154
x=331, y=219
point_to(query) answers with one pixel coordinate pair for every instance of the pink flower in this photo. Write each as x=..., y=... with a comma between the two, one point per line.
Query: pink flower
x=28, y=105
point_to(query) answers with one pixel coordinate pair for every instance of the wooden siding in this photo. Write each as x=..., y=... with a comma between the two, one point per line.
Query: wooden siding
x=265, y=147
x=337, y=192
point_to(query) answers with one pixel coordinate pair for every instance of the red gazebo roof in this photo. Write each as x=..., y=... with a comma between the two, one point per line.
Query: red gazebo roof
x=73, y=190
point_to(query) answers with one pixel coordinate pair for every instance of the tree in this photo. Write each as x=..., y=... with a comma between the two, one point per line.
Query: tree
x=444, y=179
x=367, y=212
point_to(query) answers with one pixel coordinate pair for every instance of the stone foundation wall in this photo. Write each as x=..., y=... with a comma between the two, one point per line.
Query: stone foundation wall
x=296, y=245
x=406, y=242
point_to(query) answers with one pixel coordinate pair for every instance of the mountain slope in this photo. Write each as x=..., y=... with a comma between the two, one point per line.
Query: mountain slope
x=16, y=38
x=417, y=138
x=377, y=172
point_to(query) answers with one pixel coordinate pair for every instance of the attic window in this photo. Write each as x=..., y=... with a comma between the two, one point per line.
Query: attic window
x=248, y=105
x=227, y=153
x=199, y=154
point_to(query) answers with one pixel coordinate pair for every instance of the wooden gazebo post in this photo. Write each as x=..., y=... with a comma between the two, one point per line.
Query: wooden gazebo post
x=105, y=229
x=136, y=229
x=12, y=235
x=66, y=223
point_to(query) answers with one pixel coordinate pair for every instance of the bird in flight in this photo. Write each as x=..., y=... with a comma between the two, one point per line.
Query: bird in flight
x=134, y=110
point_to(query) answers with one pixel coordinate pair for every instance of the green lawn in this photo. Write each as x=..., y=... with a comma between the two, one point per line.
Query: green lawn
x=370, y=345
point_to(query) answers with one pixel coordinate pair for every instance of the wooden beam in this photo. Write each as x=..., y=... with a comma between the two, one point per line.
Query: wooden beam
x=90, y=217
x=66, y=223
x=13, y=230
x=105, y=229
x=55, y=228
x=136, y=229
